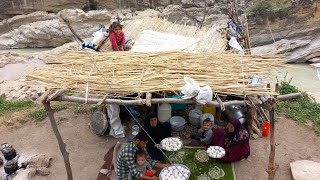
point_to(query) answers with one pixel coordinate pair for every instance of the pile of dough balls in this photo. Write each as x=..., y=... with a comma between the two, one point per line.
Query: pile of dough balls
x=176, y=172
x=216, y=152
x=171, y=144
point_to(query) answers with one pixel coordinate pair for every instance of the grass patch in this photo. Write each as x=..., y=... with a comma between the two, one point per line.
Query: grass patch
x=301, y=109
x=40, y=113
x=13, y=106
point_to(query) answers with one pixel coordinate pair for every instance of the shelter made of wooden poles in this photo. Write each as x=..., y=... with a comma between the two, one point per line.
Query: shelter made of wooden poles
x=109, y=77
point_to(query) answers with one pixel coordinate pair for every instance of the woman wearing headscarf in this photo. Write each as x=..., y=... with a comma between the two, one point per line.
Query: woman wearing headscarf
x=234, y=139
x=157, y=132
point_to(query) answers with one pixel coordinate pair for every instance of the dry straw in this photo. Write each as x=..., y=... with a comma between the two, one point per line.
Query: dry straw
x=210, y=39
x=125, y=73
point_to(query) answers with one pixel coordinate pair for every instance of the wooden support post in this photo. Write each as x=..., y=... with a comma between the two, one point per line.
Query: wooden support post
x=250, y=118
x=62, y=145
x=272, y=166
x=248, y=46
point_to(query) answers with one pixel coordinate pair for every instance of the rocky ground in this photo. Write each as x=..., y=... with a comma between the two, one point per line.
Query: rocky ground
x=87, y=150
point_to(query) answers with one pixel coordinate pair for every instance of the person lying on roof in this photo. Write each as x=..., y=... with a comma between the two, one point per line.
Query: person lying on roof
x=117, y=38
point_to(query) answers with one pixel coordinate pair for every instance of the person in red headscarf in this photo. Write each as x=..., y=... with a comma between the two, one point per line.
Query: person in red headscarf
x=234, y=139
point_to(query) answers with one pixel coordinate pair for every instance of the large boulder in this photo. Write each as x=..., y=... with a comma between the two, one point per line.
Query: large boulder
x=26, y=174
x=55, y=32
x=309, y=52
x=305, y=170
x=192, y=15
x=280, y=47
x=293, y=32
x=16, y=21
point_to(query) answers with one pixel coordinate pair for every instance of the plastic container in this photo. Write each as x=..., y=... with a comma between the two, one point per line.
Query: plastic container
x=164, y=112
x=135, y=130
x=177, y=123
x=177, y=107
x=209, y=109
x=194, y=117
x=265, y=129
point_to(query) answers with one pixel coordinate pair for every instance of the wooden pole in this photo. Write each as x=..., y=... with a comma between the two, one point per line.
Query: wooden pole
x=204, y=13
x=62, y=145
x=247, y=35
x=71, y=29
x=272, y=167
x=139, y=102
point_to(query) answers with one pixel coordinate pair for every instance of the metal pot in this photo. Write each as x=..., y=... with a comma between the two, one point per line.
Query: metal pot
x=238, y=112
x=11, y=167
x=8, y=151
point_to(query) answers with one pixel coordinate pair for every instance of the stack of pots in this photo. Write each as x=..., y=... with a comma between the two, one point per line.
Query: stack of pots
x=9, y=153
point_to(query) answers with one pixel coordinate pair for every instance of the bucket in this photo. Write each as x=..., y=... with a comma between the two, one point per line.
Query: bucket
x=209, y=109
x=265, y=129
x=164, y=112
x=177, y=107
x=177, y=123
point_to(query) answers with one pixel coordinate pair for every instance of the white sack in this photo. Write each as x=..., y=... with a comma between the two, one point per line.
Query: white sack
x=205, y=95
x=190, y=89
x=116, y=129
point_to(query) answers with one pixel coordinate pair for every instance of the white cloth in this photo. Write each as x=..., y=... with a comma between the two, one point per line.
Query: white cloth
x=152, y=41
x=116, y=129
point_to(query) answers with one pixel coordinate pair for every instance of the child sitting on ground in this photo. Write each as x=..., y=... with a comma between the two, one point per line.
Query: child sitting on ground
x=204, y=134
x=142, y=164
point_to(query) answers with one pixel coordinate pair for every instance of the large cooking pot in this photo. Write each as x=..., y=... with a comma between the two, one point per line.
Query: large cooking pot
x=238, y=112
x=11, y=167
x=8, y=151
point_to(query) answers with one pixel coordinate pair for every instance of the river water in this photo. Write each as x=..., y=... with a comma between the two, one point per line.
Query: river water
x=17, y=70
x=304, y=76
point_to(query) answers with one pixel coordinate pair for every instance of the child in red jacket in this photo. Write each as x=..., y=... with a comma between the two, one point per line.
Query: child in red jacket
x=117, y=37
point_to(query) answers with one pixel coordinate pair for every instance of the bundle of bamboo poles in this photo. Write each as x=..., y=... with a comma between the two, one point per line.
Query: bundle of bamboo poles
x=134, y=28
x=125, y=73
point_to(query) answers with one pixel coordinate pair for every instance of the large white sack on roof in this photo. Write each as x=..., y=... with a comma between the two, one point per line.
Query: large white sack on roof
x=152, y=41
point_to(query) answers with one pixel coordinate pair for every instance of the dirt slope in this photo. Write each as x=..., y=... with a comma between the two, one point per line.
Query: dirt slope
x=294, y=142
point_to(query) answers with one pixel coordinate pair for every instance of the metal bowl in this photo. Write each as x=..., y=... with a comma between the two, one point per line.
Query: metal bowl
x=182, y=165
x=162, y=147
x=217, y=157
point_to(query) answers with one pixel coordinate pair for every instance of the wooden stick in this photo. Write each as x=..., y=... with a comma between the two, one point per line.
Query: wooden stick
x=43, y=97
x=103, y=99
x=256, y=130
x=57, y=94
x=138, y=102
x=62, y=145
x=204, y=13
x=272, y=167
x=247, y=35
x=288, y=96
x=71, y=29
x=223, y=108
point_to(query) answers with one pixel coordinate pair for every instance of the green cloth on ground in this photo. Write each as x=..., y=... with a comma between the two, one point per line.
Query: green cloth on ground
x=201, y=170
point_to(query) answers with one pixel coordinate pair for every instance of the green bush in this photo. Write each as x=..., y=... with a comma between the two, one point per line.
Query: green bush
x=301, y=109
x=286, y=88
x=263, y=10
